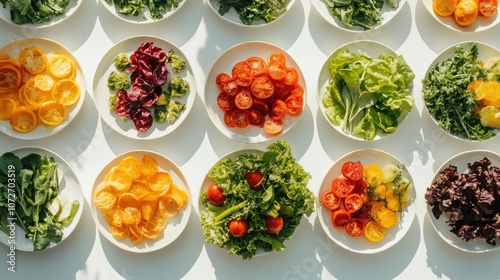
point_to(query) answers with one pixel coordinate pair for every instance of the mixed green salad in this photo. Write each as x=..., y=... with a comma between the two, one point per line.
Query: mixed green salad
x=256, y=201
x=156, y=8
x=35, y=11
x=362, y=13
x=29, y=189
x=367, y=95
x=250, y=11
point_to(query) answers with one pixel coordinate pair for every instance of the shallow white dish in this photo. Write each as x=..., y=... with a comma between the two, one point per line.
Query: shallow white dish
x=101, y=92
x=141, y=19
x=361, y=244
x=485, y=52
x=233, y=17
x=175, y=225
x=71, y=8
x=14, y=49
x=442, y=228
x=387, y=14
x=69, y=190
x=480, y=24
x=373, y=49
x=239, y=52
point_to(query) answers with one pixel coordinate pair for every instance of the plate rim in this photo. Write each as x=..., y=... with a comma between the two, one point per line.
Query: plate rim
x=127, y=245
x=215, y=113
x=168, y=128
x=448, y=237
x=6, y=128
x=448, y=52
x=399, y=233
x=324, y=77
x=79, y=195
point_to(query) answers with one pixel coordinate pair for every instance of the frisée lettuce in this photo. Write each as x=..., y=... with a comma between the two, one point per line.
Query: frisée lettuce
x=366, y=95
x=285, y=193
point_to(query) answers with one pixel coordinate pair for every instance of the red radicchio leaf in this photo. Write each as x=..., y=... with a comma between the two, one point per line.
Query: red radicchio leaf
x=142, y=119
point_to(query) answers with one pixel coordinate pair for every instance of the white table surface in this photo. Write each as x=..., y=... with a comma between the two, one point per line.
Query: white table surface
x=88, y=144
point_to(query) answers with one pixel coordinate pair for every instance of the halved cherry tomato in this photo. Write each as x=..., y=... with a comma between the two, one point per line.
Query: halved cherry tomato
x=276, y=70
x=340, y=218
x=352, y=170
x=273, y=225
x=292, y=77
x=355, y=227
x=296, y=89
x=222, y=79
x=231, y=87
x=228, y=119
x=238, y=227
x=374, y=232
x=225, y=102
x=330, y=200
x=488, y=8
x=273, y=127
x=278, y=110
x=281, y=91
x=256, y=117
x=353, y=202
x=240, y=118
x=254, y=180
x=215, y=194
x=258, y=65
x=243, y=99
x=260, y=105
x=294, y=103
x=262, y=87
x=277, y=56
x=340, y=187
x=242, y=73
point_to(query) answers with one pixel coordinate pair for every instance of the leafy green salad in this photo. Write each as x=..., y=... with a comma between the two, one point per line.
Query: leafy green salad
x=35, y=11
x=254, y=10
x=157, y=8
x=367, y=95
x=29, y=189
x=256, y=201
x=363, y=13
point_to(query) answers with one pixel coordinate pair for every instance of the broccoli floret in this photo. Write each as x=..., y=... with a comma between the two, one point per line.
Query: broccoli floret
x=118, y=81
x=174, y=111
x=160, y=113
x=122, y=61
x=163, y=99
x=178, y=87
x=176, y=62
x=113, y=100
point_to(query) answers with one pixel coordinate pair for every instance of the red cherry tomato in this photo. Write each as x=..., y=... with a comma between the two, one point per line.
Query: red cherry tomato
x=225, y=102
x=231, y=87
x=274, y=225
x=262, y=87
x=259, y=65
x=353, y=202
x=340, y=218
x=330, y=200
x=243, y=99
x=278, y=110
x=355, y=227
x=256, y=117
x=277, y=56
x=240, y=118
x=341, y=188
x=292, y=77
x=276, y=70
x=352, y=170
x=242, y=73
x=215, y=194
x=222, y=79
x=254, y=180
x=294, y=103
x=238, y=227
x=273, y=127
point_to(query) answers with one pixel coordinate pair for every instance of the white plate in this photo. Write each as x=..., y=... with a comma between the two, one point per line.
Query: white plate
x=69, y=190
x=361, y=244
x=239, y=52
x=101, y=92
x=480, y=24
x=485, y=52
x=373, y=49
x=386, y=14
x=144, y=18
x=70, y=9
x=175, y=225
x=233, y=17
x=442, y=228
x=14, y=49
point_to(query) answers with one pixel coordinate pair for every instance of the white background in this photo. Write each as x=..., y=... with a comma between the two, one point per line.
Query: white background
x=88, y=145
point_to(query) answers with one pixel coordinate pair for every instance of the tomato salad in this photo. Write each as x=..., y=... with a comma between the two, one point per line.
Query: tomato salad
x=366, y=200
x=260, y=93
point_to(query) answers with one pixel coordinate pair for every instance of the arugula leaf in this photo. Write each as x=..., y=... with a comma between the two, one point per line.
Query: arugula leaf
x=363, y=13
x=447, y=98
x=156, y=8
x=254, y=10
